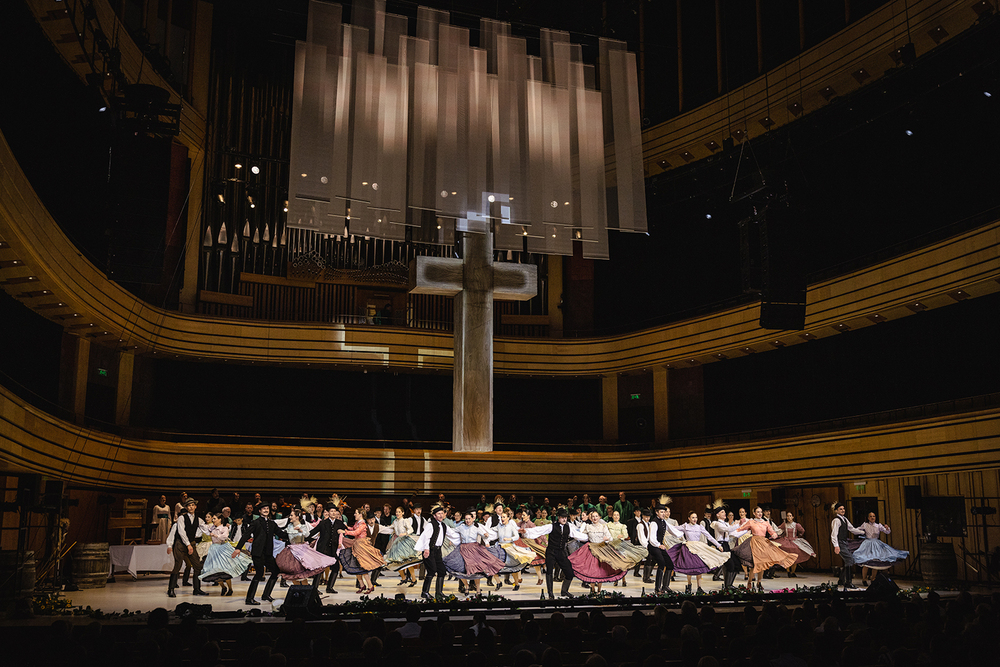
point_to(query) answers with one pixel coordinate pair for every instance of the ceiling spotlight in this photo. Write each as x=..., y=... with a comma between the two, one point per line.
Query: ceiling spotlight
x=255, y=170
x=985, y=92
x=708, y=216
x=909, y=133
x=491, y=199
x=238, y=165
x=286, y=206
x=304, y=175
x=252, y=205
x=222, y=198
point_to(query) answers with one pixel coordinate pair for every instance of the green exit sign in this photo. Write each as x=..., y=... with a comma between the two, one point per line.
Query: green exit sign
x=634, y=397
x=102, y=372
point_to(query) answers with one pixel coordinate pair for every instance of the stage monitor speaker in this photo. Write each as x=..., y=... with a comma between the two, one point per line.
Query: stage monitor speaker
x=913, y=498
x=883, y=587
x=302, y=601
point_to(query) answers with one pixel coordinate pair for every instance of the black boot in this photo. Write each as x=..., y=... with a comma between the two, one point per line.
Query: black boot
x=718, y=574
x=565, y=588
x=186, y=580
x=252, y=592
x=461, y=586
x=171, y=586
x=646, y=571
x=330, y=582
x=197, y=587
x=439, y=587
x=729, y=578
x=548, y=584
x=425, y=593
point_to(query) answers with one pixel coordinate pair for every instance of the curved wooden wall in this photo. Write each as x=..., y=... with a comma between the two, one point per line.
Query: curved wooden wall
x=42, y=268
x=31, y=440
x=805, y=83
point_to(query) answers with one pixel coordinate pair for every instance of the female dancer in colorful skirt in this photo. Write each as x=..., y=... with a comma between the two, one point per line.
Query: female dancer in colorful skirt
x=515, y=557
x=471, y=561
x=758, y=552
x=620, y=541
x=219, y=565
x=874, y=554
x=600, y=562
x=792, y=540
x=694, y=557
x=536, y=545
x=399, y=554
x=357, y=555
x=299, y=561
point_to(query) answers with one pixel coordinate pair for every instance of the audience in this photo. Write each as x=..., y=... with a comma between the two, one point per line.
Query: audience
x=897, y=631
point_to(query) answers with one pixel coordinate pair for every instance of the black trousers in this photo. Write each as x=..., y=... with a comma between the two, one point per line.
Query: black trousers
x=435, y=569
x=334, y=569
x=664, y=564
x=260, y=563
x=558, y=559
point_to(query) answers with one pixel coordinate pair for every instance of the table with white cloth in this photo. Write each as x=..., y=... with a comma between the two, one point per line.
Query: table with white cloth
x=136, y=558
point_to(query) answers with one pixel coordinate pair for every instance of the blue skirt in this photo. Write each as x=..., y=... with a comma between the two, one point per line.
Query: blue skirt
x=878, y=555
x=220, y=564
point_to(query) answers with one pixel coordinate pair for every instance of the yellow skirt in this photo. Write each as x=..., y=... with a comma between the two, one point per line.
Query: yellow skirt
x=606, y=553
x=368, y=556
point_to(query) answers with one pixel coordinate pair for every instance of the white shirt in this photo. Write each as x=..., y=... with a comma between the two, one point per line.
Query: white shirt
x=538, y=531
x=835, y=528
x=642, y=532
x=424, y=541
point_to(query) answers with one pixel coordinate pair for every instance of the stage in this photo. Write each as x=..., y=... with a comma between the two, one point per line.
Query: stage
x=147, y=592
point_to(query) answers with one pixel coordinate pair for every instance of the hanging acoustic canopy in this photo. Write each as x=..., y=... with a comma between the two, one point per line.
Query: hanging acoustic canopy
x=392, y=130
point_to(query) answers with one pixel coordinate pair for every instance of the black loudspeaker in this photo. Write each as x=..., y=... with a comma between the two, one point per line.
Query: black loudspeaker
x=912, y=497
x=783, y=294
x=750, y=269
x=302, y=601
x=783, y=316
x=140, y=188
x=882, y=587
x=28, y=487
x=54, y=489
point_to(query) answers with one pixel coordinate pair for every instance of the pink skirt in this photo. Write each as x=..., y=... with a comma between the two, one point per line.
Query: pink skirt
x=589, y=570
x=301, y=561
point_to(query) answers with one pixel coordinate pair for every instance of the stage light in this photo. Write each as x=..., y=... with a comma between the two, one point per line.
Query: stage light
x=491, y=199
x=238, y=165
x=909, y=133
x=708, y=216
x=985, y=92
x=222, y=198
x=286, y=206
x=255, y=170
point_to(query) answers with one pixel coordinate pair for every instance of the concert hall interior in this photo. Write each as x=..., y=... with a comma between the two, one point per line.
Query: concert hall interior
x=796, y=301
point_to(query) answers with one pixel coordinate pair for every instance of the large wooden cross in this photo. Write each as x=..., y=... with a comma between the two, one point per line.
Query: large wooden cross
x=475, y=281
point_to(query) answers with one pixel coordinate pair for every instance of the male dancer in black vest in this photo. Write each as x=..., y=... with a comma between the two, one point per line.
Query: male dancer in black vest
x=658, y=550
x=429, y=543
x=560, y=533
x=263, y=530
x=186, y=534
x=327, y=529
x=840, y=532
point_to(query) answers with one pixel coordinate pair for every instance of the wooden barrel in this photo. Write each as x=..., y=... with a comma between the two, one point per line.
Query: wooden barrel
x=938, y=563
x=91, y=565
x=22, y=584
